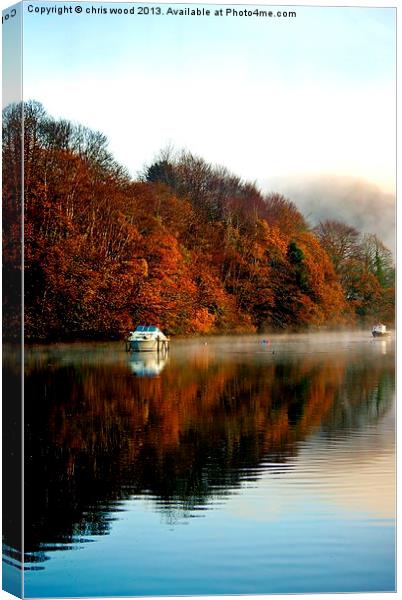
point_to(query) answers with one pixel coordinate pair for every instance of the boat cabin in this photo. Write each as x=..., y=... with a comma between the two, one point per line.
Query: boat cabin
x=147, y=338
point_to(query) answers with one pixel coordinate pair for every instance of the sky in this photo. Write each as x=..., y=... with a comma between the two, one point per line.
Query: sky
x=277, y=101
x=266, y=97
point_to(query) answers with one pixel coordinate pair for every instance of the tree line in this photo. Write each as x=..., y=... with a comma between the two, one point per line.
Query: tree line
x=187, y=246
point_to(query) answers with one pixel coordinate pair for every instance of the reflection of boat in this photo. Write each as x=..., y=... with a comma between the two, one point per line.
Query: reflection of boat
x=146, y=338
x=148, y=365
x=380, y=330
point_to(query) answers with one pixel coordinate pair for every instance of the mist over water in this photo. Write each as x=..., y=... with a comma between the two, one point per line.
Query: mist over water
x=237, y=464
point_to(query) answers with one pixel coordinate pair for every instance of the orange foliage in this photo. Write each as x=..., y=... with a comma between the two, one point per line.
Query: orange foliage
x=103, y=253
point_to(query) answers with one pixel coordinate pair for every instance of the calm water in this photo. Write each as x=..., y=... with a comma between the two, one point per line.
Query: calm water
x=230, y=466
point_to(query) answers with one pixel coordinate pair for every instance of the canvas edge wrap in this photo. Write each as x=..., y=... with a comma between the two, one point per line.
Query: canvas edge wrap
x=13, y=323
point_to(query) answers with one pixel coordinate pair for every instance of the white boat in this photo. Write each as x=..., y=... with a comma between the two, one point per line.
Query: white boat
x=380, y=330
x=147, y=338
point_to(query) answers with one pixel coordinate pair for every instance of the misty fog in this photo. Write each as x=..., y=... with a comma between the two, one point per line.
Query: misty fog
x=357, y=202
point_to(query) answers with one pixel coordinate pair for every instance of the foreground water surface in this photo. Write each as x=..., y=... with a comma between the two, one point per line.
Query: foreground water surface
x=233, y=465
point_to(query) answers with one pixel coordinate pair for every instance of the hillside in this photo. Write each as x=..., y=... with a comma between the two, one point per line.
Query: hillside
x=189, y=246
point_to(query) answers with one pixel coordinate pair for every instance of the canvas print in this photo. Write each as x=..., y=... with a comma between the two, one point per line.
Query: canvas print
x=198, y=299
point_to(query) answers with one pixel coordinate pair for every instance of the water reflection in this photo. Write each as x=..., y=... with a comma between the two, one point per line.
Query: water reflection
x=186, y=430
x=148, y=364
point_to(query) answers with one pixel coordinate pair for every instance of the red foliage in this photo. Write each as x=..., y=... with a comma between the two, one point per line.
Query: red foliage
x=103, y=253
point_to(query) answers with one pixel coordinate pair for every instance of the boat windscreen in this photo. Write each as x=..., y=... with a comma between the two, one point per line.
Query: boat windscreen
x=147, y=328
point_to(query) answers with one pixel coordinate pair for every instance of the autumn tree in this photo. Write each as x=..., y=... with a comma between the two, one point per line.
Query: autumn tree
x=12, y=194
x=364, y=267
x=341, y=241
x=190, y=246
x=211, y=189
x=283, y=213
x=378, y=260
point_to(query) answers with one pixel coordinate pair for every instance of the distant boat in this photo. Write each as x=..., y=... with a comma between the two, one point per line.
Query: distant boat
x=380, y=330
x=147, y=338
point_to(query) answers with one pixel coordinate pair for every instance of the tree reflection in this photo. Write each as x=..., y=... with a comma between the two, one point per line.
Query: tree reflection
x=95, y=433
